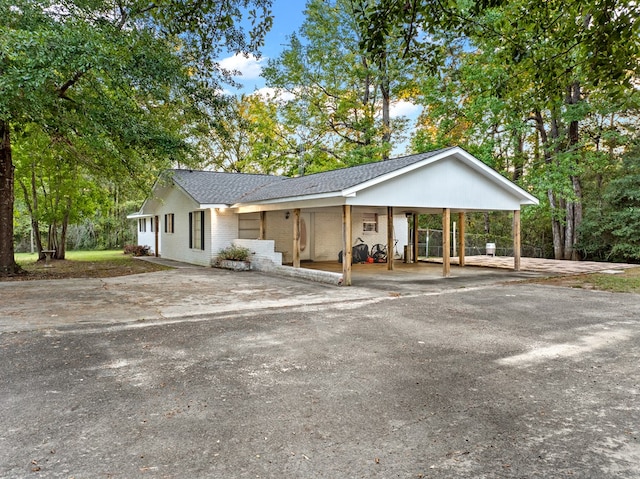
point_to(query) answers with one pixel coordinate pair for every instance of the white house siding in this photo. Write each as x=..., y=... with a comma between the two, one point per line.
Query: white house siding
x=148, y=237
x=280, y=230
x=447, y=183
x=328, y=239
x=223, y=230
x=400, y=234
x=175, y=245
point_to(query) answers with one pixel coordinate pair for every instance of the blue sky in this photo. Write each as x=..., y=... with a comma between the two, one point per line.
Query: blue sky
x=288, y=16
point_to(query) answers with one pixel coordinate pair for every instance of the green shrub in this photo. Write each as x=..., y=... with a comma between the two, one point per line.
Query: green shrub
x=234, y=253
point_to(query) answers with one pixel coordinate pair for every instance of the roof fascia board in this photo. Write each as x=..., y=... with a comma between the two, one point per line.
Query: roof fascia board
x=289, y=205
x=206, y=206
x=293, y=199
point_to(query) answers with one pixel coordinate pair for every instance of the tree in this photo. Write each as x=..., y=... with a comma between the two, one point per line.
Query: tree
x=249, y=138
x=610, y=233
x=119, y=82
x=547, y=63
x=340, y=96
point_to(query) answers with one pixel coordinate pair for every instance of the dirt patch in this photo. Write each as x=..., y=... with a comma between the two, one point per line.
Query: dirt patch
x=63, y=269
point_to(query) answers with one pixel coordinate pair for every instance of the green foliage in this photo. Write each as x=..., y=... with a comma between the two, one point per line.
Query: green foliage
x=335, y=98
x=96, y=92
x=612, y=231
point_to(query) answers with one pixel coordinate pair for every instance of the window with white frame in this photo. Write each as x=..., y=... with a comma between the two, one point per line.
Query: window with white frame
x=168, y=223
x=370, y=223
x=142, y=225
x=196, y=230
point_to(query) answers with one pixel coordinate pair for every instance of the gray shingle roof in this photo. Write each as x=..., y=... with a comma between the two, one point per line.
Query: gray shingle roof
x=213, y=187
x=209, y=187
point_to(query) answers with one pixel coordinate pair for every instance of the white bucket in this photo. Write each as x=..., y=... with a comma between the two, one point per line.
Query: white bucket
x=491, y=249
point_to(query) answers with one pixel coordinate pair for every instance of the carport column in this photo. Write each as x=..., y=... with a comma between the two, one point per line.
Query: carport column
x=461, y=238
x=390, y=238
x=296, y=238
x=263, y=225
x=516, y=240
x=347, y=240
x=446, y=242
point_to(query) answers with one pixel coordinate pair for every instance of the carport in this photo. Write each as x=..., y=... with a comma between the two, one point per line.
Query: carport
x=448, y=182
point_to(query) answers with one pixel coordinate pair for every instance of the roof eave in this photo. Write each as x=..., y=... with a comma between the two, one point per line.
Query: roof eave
x=292, y=199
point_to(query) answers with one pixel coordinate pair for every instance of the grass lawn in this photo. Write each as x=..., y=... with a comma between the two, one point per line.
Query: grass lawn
x=627, y=281
x=82, y=264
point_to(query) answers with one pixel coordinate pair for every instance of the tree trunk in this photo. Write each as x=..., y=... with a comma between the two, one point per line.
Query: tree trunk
x=386, y=116
x=574, y=207
x=8, y=265
x=62, y=244
x=556, y=227
x=31, y=201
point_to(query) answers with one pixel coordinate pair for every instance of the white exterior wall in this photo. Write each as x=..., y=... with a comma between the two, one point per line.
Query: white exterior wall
x=263, y=254
x=327, y=231
x=448, y=183
x=401, y=234
x=328, y=239
x=223, y=230
x=280, y=230
x=148, y=237
x=175, y=245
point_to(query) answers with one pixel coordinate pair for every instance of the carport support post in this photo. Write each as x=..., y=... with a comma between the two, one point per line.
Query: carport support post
x=461, y=238
x=389, y=238
x=296, y=238
x=516, y=240
x=446, y=242
x=347, y=240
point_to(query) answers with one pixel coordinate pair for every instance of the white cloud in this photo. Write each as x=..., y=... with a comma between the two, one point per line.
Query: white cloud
x=403, y=108
x=249, y=67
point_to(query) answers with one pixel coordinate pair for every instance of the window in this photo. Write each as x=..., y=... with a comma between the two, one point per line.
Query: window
x=142, y=225
x=151, y=224
x=168, y=223
x=196, y=230
x=369, y=223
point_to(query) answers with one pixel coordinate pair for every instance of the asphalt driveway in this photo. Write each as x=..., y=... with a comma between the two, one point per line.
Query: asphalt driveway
x=256, y=376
